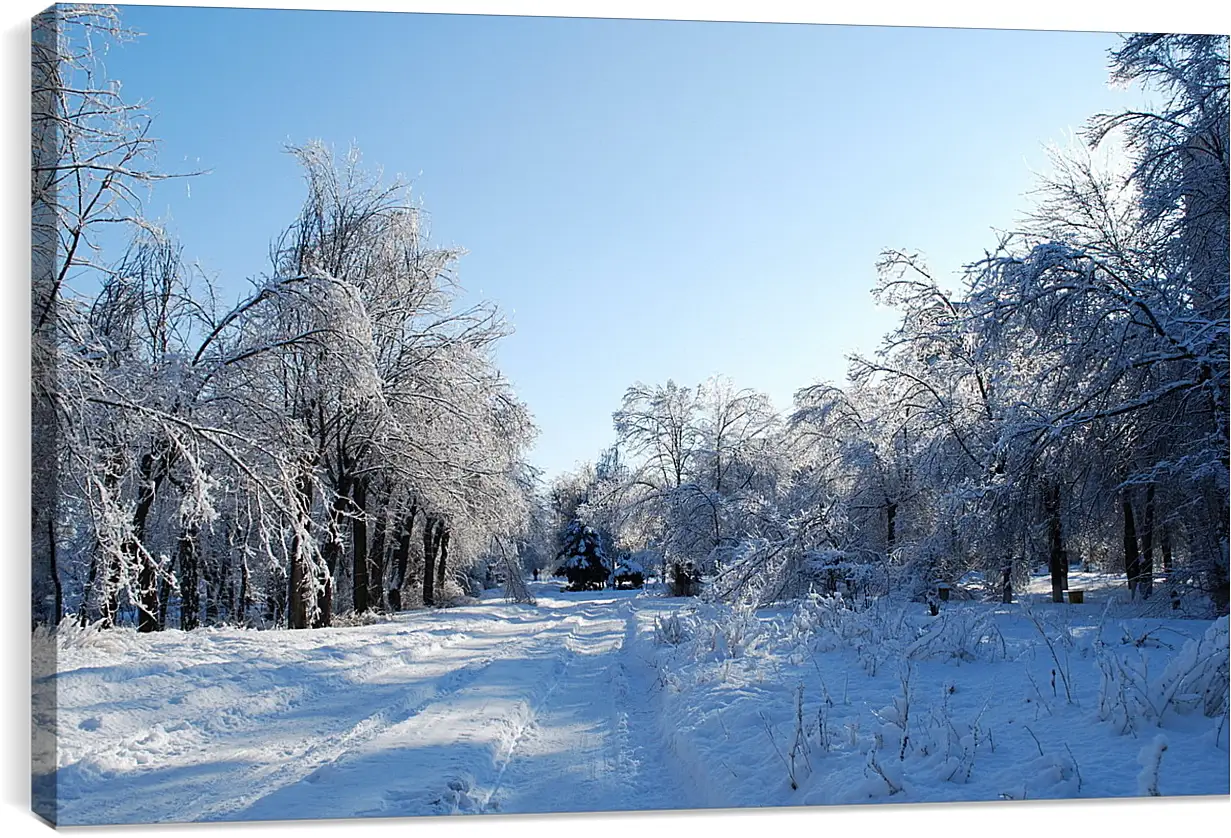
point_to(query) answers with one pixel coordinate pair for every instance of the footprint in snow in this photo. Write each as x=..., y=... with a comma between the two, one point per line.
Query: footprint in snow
x=322, y=773
x=456, y=800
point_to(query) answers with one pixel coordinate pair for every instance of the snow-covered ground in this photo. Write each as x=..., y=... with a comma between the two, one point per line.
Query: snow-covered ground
x=823, y=705
x=626, y=700
x=485, y=708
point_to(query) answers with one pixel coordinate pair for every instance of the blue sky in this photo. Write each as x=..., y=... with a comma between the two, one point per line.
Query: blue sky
x=644, y=199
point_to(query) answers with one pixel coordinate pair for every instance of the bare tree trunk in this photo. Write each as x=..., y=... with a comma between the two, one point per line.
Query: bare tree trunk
x=109, y=565
x=277, y=587
x=1217, y=582
x=1006, y=582
x=299, y=586
x=190, y=600
x=91, y=576
x=1057, y=557
x=1146, y=582
x=1172, y=589
x=244, y=581
x=147, y=602
x=891, y=528
x=164, y=599
x=110, y=607
x=216, y=575
x=1166, y=548
x=236, y=556
x=376, y=557
x=442, y=539
x=359, y=544
x=296, y=610
x=153, y=469
x=58, y=612
x=1132, y=563
x=332, y=552
x=429, y=560
x=402, y=559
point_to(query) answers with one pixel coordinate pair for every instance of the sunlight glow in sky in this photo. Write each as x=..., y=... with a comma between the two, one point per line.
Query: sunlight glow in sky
x=644, y=199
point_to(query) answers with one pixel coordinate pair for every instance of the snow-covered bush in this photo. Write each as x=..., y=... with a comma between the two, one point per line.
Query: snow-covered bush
x=885, y=776
x=713, y=633
x=685, y=579
x=670, y=630
x=453, y=595
x=795, y=756
x=584, y=560
x=359, y=618
x=961, y=745
x=71, y=634
x=960, y=634
x=628, y=573
x=1196, y=678
x=876, y=632
x=894, y=733
x=1150, y=759
x=727, y=633
x=1057, y=636
x=1200, y=671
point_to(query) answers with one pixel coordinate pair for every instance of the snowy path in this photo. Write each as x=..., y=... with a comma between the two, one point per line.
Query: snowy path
x=591, y=743
x=571, y=705
x=488, y=708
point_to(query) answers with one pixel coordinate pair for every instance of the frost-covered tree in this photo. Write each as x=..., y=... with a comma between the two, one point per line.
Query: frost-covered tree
x=580, y=511
x=430, y=431
x=699, y=456
x=583, y=558
x=1064, y=401
x=279, y=450
x=1112, y=309
x=92, y=157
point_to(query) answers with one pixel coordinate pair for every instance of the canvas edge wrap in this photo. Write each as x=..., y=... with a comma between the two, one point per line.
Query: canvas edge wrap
x=45, y=602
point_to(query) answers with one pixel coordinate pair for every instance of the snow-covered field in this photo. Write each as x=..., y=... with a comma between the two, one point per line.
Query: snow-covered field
x=486, y=708
x=823, y=705
x=626, y=700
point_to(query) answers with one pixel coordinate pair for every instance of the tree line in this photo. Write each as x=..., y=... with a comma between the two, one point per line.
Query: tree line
x=1066, y=401
x=338, y=440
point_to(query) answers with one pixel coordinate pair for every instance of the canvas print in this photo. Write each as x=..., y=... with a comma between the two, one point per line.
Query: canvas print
x=459, y=414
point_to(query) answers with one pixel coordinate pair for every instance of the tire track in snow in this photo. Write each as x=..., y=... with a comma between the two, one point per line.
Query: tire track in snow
x=591, y=740
x=647, y=765
x=301, y=765
x=446, y=759
x=202, y=783
x=519, y=731
x=531, y=712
